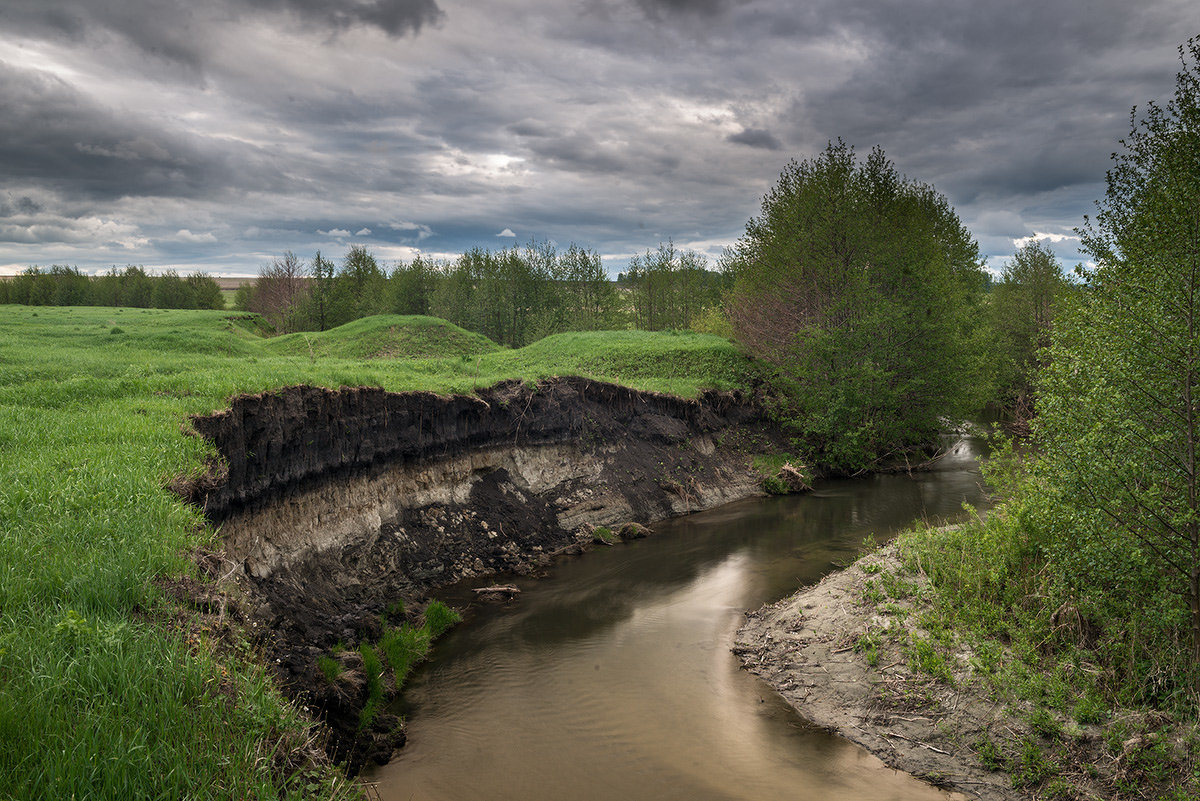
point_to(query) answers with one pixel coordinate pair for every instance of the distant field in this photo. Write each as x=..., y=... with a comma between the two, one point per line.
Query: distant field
x=99, y=698
x=231, y=284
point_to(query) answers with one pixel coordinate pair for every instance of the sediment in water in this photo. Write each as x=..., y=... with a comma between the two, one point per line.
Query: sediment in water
x=334, y=505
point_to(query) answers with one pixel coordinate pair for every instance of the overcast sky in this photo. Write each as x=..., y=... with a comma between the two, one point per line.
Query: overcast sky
x=215, y=135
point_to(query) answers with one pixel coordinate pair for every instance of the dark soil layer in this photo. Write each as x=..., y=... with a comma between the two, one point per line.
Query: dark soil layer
x=337, y=506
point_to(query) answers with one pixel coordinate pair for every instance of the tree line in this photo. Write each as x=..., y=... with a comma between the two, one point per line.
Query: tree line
x=513, y=296
x=133, y=286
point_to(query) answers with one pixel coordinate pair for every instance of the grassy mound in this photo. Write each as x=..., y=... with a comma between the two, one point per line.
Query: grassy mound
x=107, y=688
x=386, y=336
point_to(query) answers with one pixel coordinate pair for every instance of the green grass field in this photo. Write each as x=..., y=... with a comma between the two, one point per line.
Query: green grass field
x=102, y=697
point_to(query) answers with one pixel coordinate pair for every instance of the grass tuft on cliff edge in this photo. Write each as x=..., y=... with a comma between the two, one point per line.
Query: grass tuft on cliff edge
x=107, y=688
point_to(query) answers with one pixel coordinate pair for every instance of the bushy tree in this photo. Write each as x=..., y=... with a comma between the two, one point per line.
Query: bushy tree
x=668, y=288
x=137, y=287
x=206, y=291
x=1119, y=411
x=410, y=286
x=1022, y=316
x=862, y=288
x=279, y=292
x=361, y=282
x=172, y=292
x=71, y=287
x=590, y=300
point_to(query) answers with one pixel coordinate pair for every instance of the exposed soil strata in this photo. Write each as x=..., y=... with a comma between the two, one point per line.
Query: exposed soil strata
x=333, y=505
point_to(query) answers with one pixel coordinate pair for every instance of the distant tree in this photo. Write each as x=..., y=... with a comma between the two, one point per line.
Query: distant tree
x=137, y=287
x=243, y=297
x=279, y=292
x=321, y=271
x=591, y=301
x=42, y=290
x=410, y=286
x=21, y=288
x=1119, y=409
x=5, y=287
x=172, y=292
x=206, y=291
x=106, y=289
x=862, y=288
x=668, y=288
x=363, y=282
x=1022, y=316
x=71, y=287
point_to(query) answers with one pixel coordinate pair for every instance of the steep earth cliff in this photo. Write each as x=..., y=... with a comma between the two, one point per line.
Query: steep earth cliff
x=334, y=505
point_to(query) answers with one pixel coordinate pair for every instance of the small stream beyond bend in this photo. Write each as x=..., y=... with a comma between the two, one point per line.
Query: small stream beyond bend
x=612, y=678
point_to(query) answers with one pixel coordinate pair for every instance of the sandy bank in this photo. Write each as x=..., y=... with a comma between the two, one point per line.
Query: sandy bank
x=824, y=651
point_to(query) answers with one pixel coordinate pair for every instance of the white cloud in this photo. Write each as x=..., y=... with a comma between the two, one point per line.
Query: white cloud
x=507, y=232
x=336, y=233
x=184, y=235
x=422, y=231
x=1039, y=236
x=363, y=232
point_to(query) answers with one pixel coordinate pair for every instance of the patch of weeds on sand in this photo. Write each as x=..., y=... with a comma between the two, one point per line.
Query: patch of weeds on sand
x=1045, y=724
x=924, y=657
x=990, y=755
x=1032, y=766
x=373, y=670
x=871, y=592
x=604, y=535
x=1090, y=708
x=904, y=696
x=868, y=644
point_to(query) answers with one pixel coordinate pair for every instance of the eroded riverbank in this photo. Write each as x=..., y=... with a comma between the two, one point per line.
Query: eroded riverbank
x=339, y=507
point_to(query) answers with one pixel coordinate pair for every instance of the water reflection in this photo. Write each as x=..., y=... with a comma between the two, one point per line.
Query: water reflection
x=612, y=678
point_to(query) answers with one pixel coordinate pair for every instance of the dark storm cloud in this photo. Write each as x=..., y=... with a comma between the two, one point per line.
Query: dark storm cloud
x=663, y=8
x=756, y=137
x=53, y=136
x=1044, y=86
x=394, y=17
x=181, y=30
x=233, y=128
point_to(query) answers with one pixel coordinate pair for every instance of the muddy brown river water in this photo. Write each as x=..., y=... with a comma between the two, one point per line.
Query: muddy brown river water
x=612, y=678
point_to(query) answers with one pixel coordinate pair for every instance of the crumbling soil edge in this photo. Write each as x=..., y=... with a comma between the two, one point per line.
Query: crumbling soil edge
x=808, y=648
x=413, y=491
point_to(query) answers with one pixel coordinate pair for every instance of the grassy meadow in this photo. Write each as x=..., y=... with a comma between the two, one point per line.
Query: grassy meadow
x=106, y=691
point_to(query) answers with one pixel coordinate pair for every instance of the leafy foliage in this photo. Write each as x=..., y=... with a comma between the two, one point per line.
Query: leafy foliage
x=1120, y=412
x=670, y=288
x=67, y=286
x=861, y=287
x=1022, y=315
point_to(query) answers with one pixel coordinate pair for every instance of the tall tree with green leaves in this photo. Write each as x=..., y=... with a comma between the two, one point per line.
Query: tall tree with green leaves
x=862, y=288
x=1119, y=417
x=1022, y=317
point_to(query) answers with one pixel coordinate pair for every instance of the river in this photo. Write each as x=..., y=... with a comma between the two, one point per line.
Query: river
x=612, y=677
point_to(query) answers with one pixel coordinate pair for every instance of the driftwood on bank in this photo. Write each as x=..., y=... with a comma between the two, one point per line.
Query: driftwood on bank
x=499, y=589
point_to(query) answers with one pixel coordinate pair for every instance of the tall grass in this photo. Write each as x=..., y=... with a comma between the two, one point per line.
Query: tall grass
x=99, y=696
